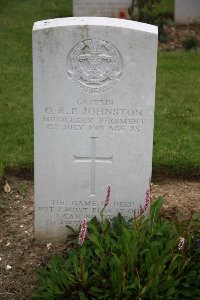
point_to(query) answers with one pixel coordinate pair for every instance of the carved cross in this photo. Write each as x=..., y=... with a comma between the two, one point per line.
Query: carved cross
x=93, y=159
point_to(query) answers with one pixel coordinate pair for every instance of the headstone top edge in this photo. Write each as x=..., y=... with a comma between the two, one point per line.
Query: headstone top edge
x=95, y=21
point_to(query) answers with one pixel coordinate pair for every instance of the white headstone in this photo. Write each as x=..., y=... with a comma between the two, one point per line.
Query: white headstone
x=187, y=11
x=101, y=8
x=94, y=90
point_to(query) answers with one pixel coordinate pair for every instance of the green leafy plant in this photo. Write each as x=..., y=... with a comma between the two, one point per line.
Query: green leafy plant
x=190, y=42
x=148, y=14
x=146, y=257
x=142, y=5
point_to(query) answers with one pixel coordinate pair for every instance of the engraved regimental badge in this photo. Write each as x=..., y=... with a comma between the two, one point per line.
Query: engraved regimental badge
x=94, y=66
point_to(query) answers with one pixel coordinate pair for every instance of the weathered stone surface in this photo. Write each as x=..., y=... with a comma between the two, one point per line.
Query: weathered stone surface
x=101, y=8
x=94, y=90
x=187, y=11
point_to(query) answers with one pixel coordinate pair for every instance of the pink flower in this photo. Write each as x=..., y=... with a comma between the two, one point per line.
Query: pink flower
x=147, y=199
x=107, y=201
x=83, y=232
x=181, y=243
x=134, y=215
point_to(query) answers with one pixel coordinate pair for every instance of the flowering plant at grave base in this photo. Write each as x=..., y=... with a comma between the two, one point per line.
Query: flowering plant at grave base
x=145, y=257
x=181, y=243
x=83, y=232
x=107, y=201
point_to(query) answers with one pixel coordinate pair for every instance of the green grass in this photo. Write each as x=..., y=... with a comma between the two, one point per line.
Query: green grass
x=16, y=119
x=177, y=120
x=177, y=115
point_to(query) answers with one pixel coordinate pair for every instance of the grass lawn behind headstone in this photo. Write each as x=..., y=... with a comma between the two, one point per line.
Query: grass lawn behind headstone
x=177, y=117
x=177, y=114
x=16, y=117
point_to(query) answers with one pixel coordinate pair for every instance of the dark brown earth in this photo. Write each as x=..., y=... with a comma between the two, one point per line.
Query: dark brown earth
x=20, y=255
x=177, y=34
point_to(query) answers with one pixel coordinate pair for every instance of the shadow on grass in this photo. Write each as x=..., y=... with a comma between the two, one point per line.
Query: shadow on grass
x=158, y=174
x=163, y=172
x=24, y=172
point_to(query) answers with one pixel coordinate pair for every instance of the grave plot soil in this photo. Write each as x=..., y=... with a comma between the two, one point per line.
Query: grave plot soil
x=177, y=34
x=20, y=255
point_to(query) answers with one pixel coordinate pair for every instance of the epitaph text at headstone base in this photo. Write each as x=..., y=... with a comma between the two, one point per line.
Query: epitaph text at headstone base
x=101, y=8
x=94, y=91
x=187, y=11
